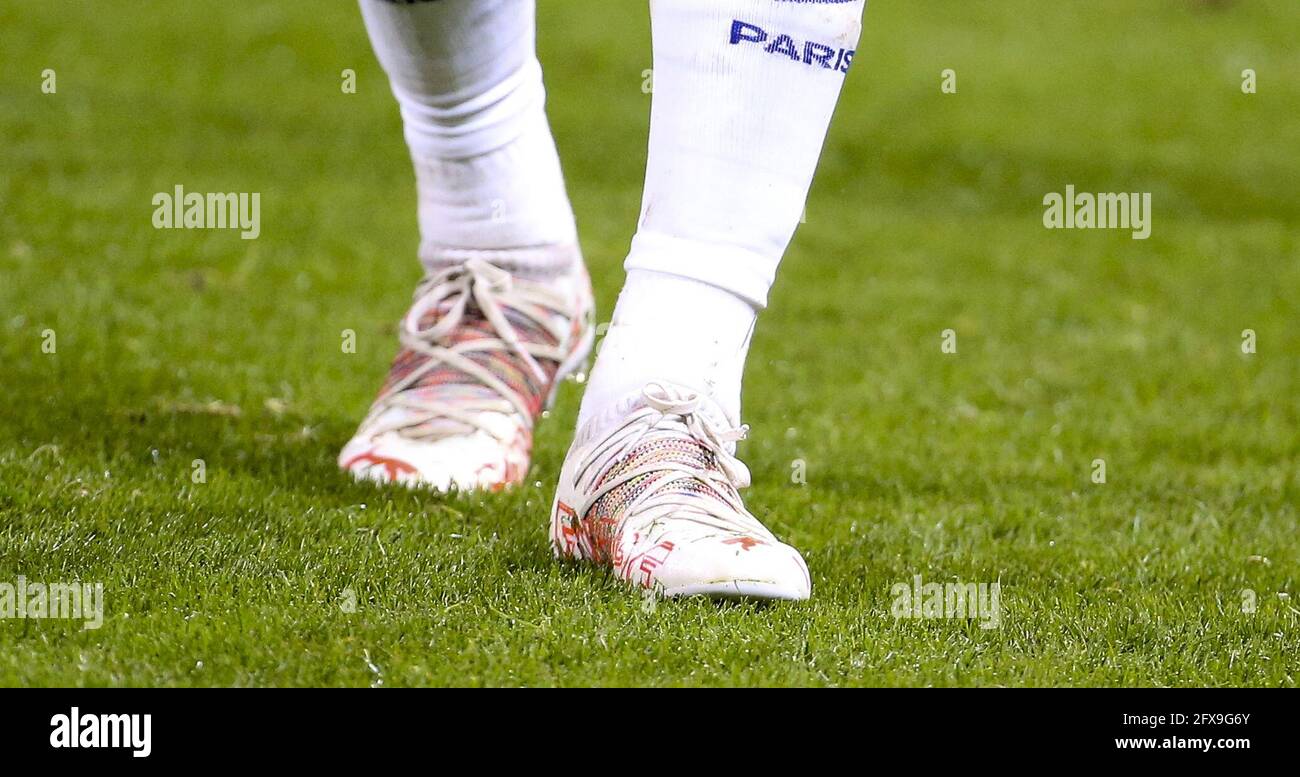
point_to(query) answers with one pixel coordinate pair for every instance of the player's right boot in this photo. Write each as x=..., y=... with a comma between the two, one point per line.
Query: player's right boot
x=483, y=353
x=656, y=499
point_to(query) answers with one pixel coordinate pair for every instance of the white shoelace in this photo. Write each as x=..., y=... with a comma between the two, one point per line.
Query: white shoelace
x=672, y=412
x=491, y=289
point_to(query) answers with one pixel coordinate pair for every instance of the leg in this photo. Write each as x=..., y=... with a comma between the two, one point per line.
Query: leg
x=504, y=310
x=744, y=91
x=469, y=87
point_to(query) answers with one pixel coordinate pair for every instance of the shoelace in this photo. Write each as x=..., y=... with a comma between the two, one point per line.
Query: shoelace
x=673, y=411
x=491, y=290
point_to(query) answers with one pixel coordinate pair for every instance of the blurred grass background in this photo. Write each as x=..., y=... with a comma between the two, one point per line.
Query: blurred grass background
x=926, y=215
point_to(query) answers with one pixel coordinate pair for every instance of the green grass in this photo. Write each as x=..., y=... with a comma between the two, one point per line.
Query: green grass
x=926, y=215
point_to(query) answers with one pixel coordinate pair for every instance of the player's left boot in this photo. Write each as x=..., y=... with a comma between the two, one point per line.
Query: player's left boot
x=656, y=499
x=483, y=353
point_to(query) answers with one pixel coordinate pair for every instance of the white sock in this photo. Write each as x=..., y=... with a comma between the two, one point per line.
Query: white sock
x=675, y=329
x=743, y=95
x=467, y=80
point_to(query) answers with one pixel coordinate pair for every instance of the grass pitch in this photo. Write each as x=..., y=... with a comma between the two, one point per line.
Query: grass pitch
x=977, y=466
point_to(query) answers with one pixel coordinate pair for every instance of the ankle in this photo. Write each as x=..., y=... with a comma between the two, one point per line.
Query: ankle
x=672, y=329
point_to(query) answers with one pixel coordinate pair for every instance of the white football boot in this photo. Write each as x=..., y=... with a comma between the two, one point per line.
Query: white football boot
x=483, y=351
x=656, y=499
